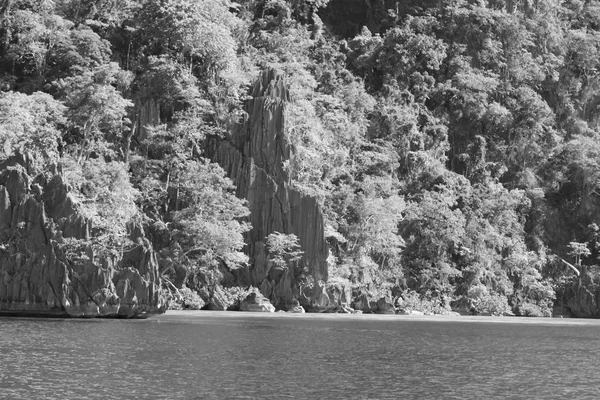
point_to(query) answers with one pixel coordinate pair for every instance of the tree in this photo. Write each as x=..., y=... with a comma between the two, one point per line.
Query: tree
x=31, y=123
x=579, y=250
x=432, y=229
x=96, y=111
x=105, y=196
x=208, y=225
x=283, y=249
x=29, y=37
x=199, y=34
x=193, y=203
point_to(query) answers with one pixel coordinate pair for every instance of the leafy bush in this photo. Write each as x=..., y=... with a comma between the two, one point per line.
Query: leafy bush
x=534, y=310
x=30, y=123
x=485, y=303
x=210, y=223
x=104, y=193
x=187, y=300
x=283, y=249
x=411, y=300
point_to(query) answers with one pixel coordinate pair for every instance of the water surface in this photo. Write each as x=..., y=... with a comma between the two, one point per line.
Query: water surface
x=205, y=355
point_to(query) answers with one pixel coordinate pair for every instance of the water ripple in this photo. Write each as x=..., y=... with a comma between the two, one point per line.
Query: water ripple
x=241, y=356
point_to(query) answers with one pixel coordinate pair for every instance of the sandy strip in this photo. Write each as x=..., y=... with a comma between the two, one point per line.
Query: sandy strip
x=197, y=316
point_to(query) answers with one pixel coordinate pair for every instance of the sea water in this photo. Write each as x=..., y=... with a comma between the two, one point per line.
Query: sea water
x=229, y=355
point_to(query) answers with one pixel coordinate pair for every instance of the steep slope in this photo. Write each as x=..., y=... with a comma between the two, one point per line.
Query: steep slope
x=253, y=156
x=38, y=277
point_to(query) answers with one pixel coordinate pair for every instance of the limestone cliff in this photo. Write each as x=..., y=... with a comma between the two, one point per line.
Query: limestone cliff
x=581, y=296
x=37, y=277
x=253, y=155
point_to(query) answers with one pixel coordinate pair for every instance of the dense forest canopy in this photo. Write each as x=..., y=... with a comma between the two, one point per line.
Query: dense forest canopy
x=453, y=145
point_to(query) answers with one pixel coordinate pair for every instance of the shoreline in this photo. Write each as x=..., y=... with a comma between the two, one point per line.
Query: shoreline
x=197, y=315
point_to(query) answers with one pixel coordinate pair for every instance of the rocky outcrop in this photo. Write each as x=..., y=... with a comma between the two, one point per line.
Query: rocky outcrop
x=339, y=291
x=341, y=309
x=255, y=302
x=364, y=304
x=253, y=155
x=148, y=116
x=218, y=300
x=42, y=274
x=581, y=297
x=385, y=306
x=297, y=310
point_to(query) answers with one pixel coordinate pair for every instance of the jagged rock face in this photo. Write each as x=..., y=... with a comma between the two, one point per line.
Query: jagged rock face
x=255, y=302
x=582, y=296
x=363, y=303
x=148, y=116
x=36, y=276
x=253, y=156
x=385, y=306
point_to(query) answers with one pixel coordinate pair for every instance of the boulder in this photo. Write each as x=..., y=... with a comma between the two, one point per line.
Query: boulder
x=363, y=303
x=348, y=310
x=297, y=310
x=256, y=302
x=385, y=306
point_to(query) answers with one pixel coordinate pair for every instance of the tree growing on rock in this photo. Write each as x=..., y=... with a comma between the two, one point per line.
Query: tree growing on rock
x=31, y=123
x=283, y=249
x=579, y=251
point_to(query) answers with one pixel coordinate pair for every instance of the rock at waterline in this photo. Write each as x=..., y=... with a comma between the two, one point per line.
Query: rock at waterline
x=297, y=310
x=41, y=278
x=256, y=302
x=218, y=300
x=363, y=303
x=449, y=313
x=385, y=307
x=340, y=309
x=409, y=312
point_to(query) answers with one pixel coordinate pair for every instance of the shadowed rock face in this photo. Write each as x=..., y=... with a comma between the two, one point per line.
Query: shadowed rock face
x=582, y=296
x=253, y=156
x=347, y=17
x=37, y=278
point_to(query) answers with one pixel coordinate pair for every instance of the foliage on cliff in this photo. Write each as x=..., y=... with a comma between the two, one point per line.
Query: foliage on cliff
x=452, y=145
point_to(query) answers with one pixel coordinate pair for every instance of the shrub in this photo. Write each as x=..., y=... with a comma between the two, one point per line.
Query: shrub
x=187, y=300
x=411, y=300
x=482, y=302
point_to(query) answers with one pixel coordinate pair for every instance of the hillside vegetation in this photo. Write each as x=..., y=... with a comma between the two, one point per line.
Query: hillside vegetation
x=453, y=146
